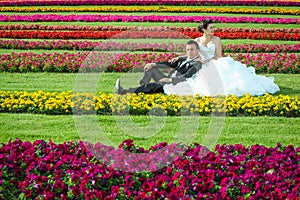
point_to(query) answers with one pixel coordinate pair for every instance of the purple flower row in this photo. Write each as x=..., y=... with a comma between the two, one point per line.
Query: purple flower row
x=136, y=18
x=82, y=170
x=70, y=27
x=152, y=2
x=140, y=28
x=123, y=62
x=139, y=46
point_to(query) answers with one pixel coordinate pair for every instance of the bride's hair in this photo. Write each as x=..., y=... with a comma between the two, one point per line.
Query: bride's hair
x=204, y=24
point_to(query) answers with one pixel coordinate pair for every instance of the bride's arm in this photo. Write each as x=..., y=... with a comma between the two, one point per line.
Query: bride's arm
x=200, y=59
x=218, y=52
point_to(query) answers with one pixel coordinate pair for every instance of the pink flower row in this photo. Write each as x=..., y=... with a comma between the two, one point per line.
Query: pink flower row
x=153, y=2
x=123, y=62
x=136, y=18
x=139, y=46
x=82, y=170
x=140, y=28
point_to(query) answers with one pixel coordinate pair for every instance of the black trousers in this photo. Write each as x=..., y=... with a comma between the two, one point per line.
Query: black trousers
x=149, y=88
x=152, y=73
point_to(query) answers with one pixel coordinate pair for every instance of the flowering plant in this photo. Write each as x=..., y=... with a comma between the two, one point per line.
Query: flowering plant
x=151, y=2
x=174, y=9
x=140, y=34
x=144, y=104
x=122, y=62
x=76, y=170
x=140, y=28
x=140, y=46
x=148, y=18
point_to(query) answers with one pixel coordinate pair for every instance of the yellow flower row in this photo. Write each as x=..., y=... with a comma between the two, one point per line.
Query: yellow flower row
x=143, y=104
x=174, y=9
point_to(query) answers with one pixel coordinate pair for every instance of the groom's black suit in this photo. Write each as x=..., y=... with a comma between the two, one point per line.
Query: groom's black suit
x=182, y=69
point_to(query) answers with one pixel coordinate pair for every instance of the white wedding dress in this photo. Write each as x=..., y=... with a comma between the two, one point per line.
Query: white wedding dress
x=223, y=76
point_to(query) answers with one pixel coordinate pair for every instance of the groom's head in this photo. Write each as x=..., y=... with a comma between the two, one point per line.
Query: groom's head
x=192, y=49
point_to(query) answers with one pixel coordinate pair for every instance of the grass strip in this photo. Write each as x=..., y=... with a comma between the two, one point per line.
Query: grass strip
x=59, y=82
x=248, y=131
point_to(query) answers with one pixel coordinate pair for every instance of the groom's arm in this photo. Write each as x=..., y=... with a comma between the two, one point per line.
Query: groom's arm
x=165, y=64
x=169, y=64
x=196, y=67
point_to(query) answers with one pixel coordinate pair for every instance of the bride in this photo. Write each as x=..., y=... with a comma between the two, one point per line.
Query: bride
x=220, y=75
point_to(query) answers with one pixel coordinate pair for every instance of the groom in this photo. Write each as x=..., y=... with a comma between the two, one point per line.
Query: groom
x=184, y=67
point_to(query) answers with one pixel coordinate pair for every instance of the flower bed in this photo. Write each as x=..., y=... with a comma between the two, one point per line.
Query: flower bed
x=123, y=62
x=138, y=18
x=140, y=28
x=169, y=9
x=140, y=46
x=72, y=62
x=37, y=34
x=76, y=170
x=151, y=2
x=142, y=104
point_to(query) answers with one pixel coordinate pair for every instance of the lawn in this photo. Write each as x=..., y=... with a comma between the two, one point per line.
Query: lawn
x=288, y=83
x=146, y=131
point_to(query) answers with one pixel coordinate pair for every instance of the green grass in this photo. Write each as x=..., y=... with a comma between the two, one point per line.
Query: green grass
x=288, y=83
x=231, y=130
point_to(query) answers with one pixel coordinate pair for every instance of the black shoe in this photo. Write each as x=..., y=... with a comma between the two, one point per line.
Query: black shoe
x=119, y=88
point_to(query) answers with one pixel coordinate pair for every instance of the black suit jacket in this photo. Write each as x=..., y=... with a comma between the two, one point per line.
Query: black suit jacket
x=183, y=72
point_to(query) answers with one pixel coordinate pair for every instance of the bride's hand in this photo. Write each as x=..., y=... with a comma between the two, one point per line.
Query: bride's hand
x=206, y=61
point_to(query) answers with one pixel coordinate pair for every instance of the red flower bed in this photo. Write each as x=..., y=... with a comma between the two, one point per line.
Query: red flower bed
x=144, y=34
x=78, y=170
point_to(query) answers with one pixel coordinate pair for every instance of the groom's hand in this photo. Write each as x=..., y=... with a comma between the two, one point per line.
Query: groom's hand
x=149, y=66
x=174, y=59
